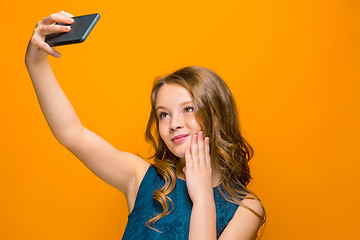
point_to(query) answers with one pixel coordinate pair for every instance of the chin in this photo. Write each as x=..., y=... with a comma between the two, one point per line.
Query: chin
x=178, y=150
x=179, y=153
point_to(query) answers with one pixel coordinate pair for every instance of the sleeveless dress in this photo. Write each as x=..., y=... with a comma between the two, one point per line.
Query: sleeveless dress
x=174, y=226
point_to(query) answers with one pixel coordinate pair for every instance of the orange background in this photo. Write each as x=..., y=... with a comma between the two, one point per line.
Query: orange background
x=293, y=67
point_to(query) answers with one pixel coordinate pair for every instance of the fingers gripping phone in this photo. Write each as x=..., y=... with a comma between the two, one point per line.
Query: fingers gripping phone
x=80, y=29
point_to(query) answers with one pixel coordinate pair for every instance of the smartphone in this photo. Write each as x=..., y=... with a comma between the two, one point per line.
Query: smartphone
x=80, y=29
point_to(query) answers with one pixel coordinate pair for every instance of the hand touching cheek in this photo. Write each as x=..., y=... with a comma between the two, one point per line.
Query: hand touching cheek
x=198, y=172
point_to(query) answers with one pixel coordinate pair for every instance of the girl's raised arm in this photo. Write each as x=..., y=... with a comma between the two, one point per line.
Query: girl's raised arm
x=122, y=170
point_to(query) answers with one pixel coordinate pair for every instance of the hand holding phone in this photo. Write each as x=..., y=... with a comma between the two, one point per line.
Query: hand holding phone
x=80, y=29
x=53, y=29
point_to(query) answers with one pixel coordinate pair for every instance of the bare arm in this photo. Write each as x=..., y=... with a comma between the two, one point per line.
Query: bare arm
x=122, y=170
x=245, y=224
x=199, y=182
x=203, y=220
x=56, y=108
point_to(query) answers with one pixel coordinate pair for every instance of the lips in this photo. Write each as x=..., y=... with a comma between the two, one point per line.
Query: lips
x=179, y=138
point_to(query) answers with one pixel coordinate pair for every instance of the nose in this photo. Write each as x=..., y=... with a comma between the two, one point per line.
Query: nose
x=177, y=122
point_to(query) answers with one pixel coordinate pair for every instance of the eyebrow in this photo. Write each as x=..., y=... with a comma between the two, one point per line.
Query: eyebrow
x=182, y=104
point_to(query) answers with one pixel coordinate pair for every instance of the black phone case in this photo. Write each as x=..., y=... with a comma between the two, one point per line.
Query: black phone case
x=80, y=29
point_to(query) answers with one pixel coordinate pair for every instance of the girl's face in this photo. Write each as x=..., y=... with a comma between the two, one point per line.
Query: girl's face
x=177, y=121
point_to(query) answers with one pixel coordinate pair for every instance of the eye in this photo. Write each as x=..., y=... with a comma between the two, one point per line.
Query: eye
x=189, y=109
x=163, y=115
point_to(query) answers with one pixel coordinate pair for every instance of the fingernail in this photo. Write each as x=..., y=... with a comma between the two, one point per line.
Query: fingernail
x=67, y=28
x=71, y=20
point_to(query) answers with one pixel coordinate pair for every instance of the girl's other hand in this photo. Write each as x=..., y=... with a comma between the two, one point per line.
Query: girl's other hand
x=197, y=170
x=38, y=49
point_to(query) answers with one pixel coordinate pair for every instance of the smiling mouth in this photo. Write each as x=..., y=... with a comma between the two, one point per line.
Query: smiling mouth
x=179, y=138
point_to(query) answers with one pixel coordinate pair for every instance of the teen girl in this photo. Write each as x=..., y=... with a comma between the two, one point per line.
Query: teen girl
x=196, y=187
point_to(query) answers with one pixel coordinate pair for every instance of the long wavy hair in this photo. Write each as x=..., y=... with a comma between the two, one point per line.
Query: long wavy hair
x=217, y=115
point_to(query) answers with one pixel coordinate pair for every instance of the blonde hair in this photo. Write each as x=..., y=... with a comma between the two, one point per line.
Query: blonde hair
x=217, y=114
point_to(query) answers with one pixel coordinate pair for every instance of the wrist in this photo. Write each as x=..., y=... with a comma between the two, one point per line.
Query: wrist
x=205, y=203
x=32, y=61
x=35, y=56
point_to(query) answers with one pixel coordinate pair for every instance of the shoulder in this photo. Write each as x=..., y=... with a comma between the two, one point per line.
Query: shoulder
x=253, y=205
x=247, y=220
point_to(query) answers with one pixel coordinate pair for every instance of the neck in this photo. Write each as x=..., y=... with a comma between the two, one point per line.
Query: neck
x=179, y=169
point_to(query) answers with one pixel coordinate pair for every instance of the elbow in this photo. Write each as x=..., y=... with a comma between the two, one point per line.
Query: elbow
x=70, y=137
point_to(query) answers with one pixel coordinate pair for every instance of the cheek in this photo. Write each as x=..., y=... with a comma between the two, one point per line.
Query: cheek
x=162, y=131
x=194, y=123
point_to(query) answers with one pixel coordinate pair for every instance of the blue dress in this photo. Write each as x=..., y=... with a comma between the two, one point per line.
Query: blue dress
x=174, y=226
